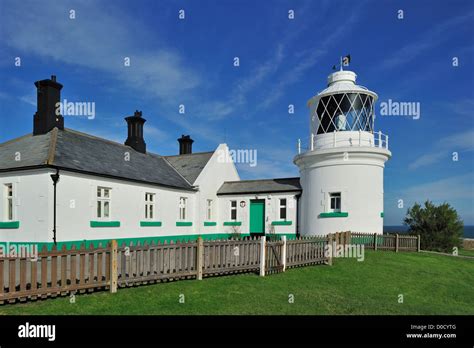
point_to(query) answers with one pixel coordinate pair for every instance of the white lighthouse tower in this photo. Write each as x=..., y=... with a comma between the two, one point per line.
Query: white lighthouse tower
x=341, y=170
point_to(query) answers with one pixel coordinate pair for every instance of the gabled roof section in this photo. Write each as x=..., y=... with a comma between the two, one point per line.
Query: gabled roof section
x=260, y=186
x=190, y=165
x=72, y=150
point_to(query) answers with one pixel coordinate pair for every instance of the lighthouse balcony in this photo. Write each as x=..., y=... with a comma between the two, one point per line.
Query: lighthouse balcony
x=343, y=139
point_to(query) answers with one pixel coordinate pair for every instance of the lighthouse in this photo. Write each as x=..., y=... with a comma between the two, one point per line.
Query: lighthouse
x=341, y=168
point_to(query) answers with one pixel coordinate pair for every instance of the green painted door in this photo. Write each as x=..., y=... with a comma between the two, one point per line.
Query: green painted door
x=257, y=217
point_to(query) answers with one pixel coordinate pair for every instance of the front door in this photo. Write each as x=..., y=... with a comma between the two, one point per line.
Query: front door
x=257, y=217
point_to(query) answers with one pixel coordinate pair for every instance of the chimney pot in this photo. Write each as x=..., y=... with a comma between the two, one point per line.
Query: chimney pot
x=185, y=145
x=48, y=95
x=135, y=132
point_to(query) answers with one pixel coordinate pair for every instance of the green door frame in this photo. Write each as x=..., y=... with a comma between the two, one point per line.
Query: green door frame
x=257, y=217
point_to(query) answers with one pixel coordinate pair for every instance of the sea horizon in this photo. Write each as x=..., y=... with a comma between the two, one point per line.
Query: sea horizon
x=468, y=230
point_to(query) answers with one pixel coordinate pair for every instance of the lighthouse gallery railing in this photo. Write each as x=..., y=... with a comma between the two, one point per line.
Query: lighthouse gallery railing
x=379, y=140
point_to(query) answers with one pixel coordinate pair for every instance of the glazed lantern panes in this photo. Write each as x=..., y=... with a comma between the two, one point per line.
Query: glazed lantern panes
x=345, y=112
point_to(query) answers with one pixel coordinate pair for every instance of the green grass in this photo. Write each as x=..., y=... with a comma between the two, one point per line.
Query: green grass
x=465, y=252
x=430, y=284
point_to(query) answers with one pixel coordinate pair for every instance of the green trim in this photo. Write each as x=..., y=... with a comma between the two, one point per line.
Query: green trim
x=233, y=223
x=330, y=215
x=183, y=223
x=10, y=224
x=105, y=223
x=150, y=224
x=282, y=223
x=210, y=223
x=141, y=240
x=381, y=214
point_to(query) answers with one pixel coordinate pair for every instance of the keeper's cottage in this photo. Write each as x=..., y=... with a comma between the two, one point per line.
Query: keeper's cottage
x=61, y=185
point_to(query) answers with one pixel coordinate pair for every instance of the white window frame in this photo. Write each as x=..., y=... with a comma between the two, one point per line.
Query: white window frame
x=101, y=200
x=9, y=214
x=150, y=205
x=280, y=206
x=233, y=209
x=331, y=196
x=182, y=207
x=209, y=209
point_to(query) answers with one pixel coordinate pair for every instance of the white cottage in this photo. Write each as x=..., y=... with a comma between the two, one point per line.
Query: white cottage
x=60, y=185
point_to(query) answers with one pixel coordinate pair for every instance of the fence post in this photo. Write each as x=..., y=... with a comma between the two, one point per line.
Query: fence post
x=418, y=242
x=329, y=254
x=396, y=243
x=262, y=256
x=375, y=241
x=200, y=257
x=335, y=237
x=283, y=252
x=113, y=266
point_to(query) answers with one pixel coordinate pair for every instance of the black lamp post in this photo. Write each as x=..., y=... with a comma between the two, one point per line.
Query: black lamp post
x=55, y=178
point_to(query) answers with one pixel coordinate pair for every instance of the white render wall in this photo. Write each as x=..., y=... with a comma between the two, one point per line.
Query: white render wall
x=355, y=172
x=209, y=181
x=271, y=211
x=30, y=205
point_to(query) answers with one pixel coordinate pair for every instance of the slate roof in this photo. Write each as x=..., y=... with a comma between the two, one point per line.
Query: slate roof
x=260, y=186
x=72, y=150
x=190, y=165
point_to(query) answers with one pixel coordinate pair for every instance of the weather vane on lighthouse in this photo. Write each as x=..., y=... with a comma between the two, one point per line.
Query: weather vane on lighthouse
x=344, y=61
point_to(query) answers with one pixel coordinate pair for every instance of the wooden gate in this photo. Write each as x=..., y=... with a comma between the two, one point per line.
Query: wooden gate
x=274, y=256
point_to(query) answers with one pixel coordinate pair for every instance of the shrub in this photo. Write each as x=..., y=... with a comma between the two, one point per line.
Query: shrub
x=439, y=227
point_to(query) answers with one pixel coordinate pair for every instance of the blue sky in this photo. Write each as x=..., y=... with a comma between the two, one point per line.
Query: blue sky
x=282, y=62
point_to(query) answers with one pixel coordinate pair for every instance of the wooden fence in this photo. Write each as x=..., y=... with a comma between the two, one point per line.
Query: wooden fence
x=68, y=271
x=54, y=273
x=393, y=242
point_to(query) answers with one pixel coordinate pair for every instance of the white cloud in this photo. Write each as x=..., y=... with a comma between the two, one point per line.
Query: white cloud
x=99, y=39
x=444, y=148
x=429, y=39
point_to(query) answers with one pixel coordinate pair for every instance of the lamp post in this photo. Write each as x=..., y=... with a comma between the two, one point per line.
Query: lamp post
x=55, y=178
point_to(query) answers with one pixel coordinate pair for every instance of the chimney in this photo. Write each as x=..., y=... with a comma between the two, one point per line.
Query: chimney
x=49, y=94
x=185, y=145
x=135, y=132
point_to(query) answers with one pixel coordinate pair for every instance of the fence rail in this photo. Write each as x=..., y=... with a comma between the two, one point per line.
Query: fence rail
x=59, y=272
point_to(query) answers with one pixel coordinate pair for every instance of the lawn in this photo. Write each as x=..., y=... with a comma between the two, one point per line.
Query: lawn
x=465, y=252
x=430, y=284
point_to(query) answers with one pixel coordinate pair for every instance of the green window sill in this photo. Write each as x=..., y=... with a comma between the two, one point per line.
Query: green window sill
x=330, y=215
x=105, y=223
x=233, y=223
x=150, y=223
x=210, y=223
x=282, y=223
x=10, y=224
x=381, y=214
x=183, y=223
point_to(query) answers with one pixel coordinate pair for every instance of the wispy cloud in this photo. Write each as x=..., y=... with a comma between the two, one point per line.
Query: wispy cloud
x=428, y=40
x=98, y=39
x=444, y=148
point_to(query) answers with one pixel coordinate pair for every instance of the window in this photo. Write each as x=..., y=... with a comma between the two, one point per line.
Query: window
x=103, y=202
x=233, y=210
x=209, y=210
x=283, y=209
x=149, y=206
x=182, y=208
x=9, y=202
x=335, y=202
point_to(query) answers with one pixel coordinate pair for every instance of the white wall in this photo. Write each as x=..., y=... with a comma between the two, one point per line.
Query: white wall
x=355, y=172
x=271, y=211
x=30, y=205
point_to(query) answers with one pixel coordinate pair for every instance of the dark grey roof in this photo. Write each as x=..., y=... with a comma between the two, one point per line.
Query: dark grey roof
x=190, y=165
x=260, y=186
x=72, y=150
